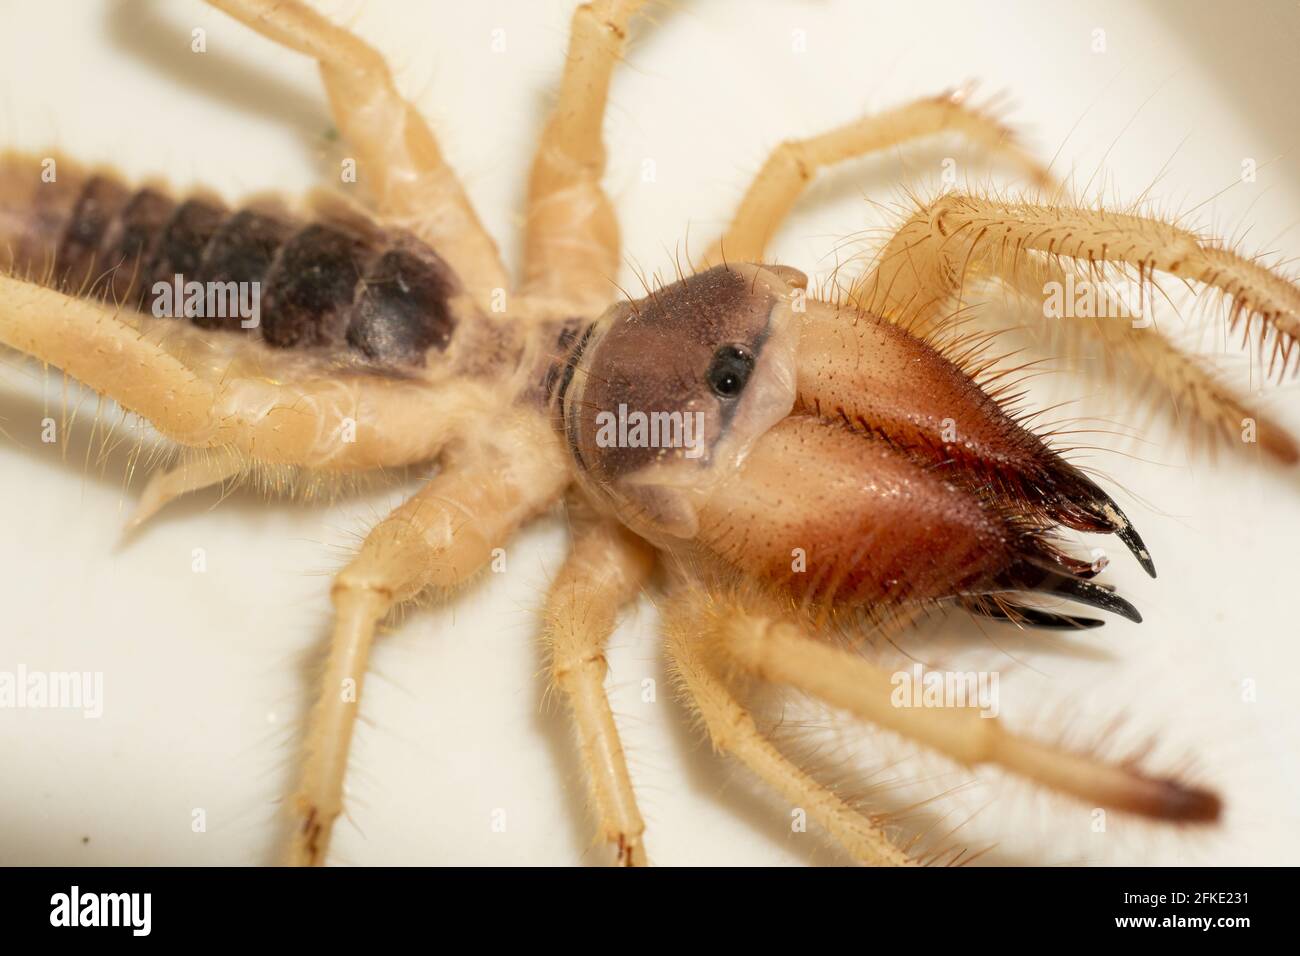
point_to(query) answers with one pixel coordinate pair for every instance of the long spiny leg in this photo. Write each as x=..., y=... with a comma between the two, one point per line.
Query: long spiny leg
x=604, y=571
x=437, y=539
x=792, y=165
x=398, y=155
x=321, y=420
x=960, y=241
x=732, y=729
x=1210, y=408
x=779, y=651
x=1207, y=405
x=571, y=244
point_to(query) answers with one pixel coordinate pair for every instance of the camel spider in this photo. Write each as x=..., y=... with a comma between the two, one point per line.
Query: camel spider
x=504, y=467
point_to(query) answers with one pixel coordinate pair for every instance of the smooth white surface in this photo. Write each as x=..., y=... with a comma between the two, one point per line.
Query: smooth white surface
x=206, y=674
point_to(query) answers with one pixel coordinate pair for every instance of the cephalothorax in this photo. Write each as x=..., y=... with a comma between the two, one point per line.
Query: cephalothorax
x=721, y=423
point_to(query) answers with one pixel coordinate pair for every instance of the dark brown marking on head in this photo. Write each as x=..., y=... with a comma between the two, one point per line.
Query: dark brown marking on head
x=403, y=307
x=655, y=356
x=307, y=296
x=672, y=390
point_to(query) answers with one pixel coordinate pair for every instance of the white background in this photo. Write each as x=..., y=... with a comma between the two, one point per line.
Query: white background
x=207, y=675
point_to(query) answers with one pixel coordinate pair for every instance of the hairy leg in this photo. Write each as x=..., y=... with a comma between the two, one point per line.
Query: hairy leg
x=436, y=540
x=398, y=155
x=959, y=241
x=732, y=729
x=571, y=244
x=959, y=238
x=792, y=165
x=605, y=570
x=780, y=652
x=320, y=419
x=1210, y=409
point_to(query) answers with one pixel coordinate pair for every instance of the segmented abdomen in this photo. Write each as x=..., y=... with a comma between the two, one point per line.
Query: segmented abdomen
x=335, y=282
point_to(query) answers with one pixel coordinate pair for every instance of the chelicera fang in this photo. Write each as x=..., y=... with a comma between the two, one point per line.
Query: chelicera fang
x=713, y=427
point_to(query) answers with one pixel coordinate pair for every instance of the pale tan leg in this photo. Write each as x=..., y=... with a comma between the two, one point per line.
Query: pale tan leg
x=792, y=165
x=960, y=238
x=196, y=472
x=325, y=421
x=571, y=244
x=732, y=729
x=1210, y=409
x=605, y=570
x=778, y=651
x=398, y=157
x=959, y=241
x=437, y=539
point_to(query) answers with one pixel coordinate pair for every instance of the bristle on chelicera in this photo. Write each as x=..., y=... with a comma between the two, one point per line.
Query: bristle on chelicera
x=881, y=380
x=874, y=528
x=1030, y=617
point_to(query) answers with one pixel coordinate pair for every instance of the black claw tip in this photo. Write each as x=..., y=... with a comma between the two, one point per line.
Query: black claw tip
x=1101, y=507
x=1034, y=578
x=1093, y=595
x=1124, y=530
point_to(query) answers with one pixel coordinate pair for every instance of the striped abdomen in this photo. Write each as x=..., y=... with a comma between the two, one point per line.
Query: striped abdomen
x=339, y=282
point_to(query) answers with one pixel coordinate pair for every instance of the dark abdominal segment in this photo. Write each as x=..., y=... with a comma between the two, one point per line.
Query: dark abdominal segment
x=347, y=285
x=402, y=311
x=309, y=289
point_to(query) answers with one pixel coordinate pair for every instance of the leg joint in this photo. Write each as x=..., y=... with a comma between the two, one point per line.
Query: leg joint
x=565, y=667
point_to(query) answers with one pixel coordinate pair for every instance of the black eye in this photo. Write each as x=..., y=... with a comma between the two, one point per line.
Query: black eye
x=730, y=370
